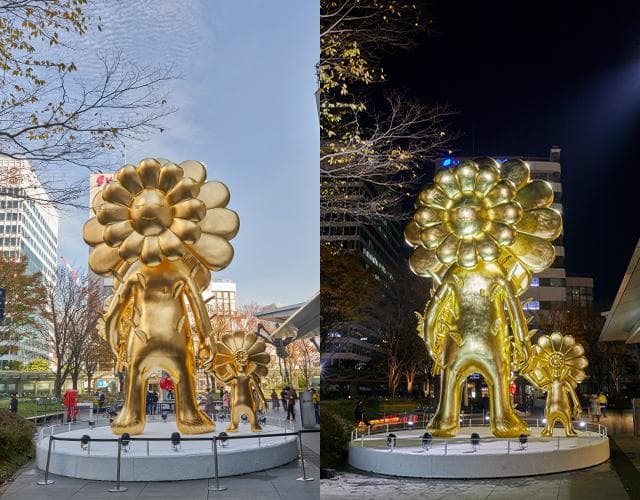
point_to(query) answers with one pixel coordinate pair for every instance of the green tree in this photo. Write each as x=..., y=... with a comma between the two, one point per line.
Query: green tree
x=38, y=365
x=24, y=298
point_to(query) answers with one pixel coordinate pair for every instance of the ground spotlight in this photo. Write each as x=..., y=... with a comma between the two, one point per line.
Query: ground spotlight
x=222, y=437
x=427, y=438
x=244, y=419
x=410, y=424
x=582, y=424
x=262, y=420
x=92, y=424
x=523, y=438
x=486, y=419
x=391, y=441
x=125, y=442
x=175, y=441
x=164, y=416
x=475, y=440
x=544, y=420
x=84, y=442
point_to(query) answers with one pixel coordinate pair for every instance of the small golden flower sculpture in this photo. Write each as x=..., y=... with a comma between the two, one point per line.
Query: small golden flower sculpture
x=557, y=366
x=484, y=211
x=158, y=210
x=241, y=361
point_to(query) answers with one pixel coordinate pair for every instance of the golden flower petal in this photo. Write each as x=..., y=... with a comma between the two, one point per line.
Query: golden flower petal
x=448, y=249
x=116, y=193
x=261, y=358
x=433, y=197
x=249, y=340
x=92, y=232
x=192, y=209
x=541, y=222
x=467, y=256
x=114, y=234
x=238, y=341
x=466, y=173
x=187, y=231
x=427, y=216
x=227, y=340
x=128, y=177
x=501, y=233
x=535, y=253
x=536, y=194
x=131, y=247
x=487, y=248
x=195, y=170
x=556, y=341
x=579, y=363
x=447, y=182
x=261, y=371
x=223, y=350
x=486, y=179
x=149, y=172
x=516, y=171
x=170, y=175
x=171, y=246
x=545, y=345
x=575, y=352
x=185, y=189
x=151, y=254
x=97, y=202
x=258, y=346
x=434, y=235
x=486, y=162
x=214, y=194
x=109, y=213
x=163, y=161
x=567, y=343
x=103, y=259
x=222, y=222
x=223, y=359
x=213, y=251
x=501, y=192
x=509, y=213
x=424, y=262
x=412, y=233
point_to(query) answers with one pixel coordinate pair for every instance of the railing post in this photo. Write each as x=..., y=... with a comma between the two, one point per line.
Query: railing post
x=361, y=440
x=46, y=470
x=445, y=447
x=558, y=443
x=508, y=447
x=217, y=487
x=304, y=471
x=118, y=488
x=147, y=447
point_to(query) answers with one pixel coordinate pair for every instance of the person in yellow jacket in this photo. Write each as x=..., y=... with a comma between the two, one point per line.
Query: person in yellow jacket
x=602, y=399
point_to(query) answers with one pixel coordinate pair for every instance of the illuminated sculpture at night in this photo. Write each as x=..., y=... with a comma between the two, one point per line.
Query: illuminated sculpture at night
x=557, y=366
x=479, y=232
x=241, y=361
x=159, y=230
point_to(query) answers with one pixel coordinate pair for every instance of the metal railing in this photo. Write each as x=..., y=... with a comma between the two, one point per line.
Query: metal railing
x=214, y=449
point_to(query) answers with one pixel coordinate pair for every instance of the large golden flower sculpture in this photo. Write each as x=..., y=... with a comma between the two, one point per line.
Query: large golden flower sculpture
x=159, y=210
x=556, y=357
x=484, y=211
x=240, y=349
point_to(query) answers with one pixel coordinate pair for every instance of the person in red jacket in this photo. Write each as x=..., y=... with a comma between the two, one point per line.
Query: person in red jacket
x=71, y=402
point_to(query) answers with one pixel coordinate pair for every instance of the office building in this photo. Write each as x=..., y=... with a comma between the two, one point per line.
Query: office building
x=580, y=294
x=28, y=229
x=220, y=297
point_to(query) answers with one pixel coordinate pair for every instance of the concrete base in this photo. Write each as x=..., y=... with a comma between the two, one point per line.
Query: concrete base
x=494, y=457
x=159, y=462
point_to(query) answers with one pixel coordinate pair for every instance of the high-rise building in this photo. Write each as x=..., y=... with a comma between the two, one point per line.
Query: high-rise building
x=580, y=294
x=28, y=229
x=548, y=289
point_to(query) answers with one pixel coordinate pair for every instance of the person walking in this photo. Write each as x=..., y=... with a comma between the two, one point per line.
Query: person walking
x=361, y=413
x=284, y=396
x=210, y=397
x=594, y=408
x=101, y=399
x=148, y=401
x=292, y=396
x=71, y=402
x=602, y=399
x=315, y=397
x=13, y=404
x=274, y=400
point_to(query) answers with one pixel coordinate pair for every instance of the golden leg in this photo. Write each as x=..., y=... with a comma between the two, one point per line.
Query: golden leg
x=190, y=419
x=446, y=421
x=131, y=417
x=504, y=421
x=253, y=420
x=234, y=419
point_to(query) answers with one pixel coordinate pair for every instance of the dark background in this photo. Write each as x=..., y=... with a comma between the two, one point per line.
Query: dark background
x=524, y=76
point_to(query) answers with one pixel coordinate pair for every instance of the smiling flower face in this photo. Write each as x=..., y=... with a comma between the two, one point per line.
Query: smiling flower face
x=480, y=211
x=243, y=352
x=557, y=357
x=159, y=210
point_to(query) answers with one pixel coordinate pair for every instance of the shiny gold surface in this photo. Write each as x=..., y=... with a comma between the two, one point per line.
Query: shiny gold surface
x=241, y=361
x=479, y=232
x=159, y=229
x=557, y=366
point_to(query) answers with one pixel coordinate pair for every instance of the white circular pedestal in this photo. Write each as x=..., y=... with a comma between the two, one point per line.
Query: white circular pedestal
x=494, y=457
x=193, y=460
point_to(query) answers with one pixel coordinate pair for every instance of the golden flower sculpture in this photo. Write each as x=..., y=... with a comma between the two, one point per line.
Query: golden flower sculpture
x=159, y=210
x=557, y=366
x=241, y=361
x=480, y=211
x=480, y=231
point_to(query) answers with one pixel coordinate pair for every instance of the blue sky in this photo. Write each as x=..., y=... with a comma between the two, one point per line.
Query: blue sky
x=247, y=109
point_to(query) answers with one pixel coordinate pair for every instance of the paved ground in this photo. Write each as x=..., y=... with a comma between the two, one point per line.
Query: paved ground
x=279, y=483
x=619, y=478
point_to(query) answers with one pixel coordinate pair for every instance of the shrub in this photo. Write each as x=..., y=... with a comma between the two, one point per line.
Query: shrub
x=335, y=432
x=16, y=443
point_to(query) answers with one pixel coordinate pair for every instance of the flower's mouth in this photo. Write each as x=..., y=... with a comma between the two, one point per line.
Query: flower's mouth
x=150, y=213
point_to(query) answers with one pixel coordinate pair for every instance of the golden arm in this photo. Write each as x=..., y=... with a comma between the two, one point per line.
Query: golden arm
x=114, y=313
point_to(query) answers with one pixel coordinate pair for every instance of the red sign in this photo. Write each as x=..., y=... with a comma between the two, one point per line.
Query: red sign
x=512, y=388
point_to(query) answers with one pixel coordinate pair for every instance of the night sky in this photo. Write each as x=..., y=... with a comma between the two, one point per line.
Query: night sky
x=527, y=75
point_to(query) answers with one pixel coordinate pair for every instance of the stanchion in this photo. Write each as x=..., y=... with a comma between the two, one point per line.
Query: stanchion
x=304, y=471
x=118, y=488
x=46, y=470
x=217, y=487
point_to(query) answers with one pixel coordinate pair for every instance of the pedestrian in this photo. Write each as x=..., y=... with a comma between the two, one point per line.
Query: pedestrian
x=154, y=402
x=71, y=402
x=361, y=413
x=274, y=400
x=225, y=402
x=315, y=397
x=210, y=397
x=602, y=399
x=13, y=404
x=284, y=396
x=291, y=403
x=594, y=408
x=101, y=399
x=148, y=401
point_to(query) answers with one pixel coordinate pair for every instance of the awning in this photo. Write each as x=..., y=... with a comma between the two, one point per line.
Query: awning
x=299, y=321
